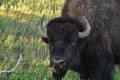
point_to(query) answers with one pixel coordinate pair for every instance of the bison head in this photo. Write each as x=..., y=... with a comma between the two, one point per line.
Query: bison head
x=62, y=36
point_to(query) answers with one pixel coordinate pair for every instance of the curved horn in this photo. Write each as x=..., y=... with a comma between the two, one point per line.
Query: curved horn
x=42, y=32
x=87, y=30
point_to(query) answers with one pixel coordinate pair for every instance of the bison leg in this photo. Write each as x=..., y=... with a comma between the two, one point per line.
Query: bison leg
x=104, y=74
x=97, y=61
x=108, y=73
x=102, y=71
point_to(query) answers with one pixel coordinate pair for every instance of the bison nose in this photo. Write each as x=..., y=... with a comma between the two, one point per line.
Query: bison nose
x=58, y=61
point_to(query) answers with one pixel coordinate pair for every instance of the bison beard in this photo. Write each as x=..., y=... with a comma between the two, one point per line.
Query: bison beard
x=93, y=56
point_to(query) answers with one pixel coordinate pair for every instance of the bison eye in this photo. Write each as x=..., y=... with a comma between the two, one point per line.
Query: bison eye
x=45, y=40
x=51, y=40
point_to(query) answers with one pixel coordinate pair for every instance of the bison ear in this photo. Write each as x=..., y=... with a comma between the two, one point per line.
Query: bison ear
x=45, y=40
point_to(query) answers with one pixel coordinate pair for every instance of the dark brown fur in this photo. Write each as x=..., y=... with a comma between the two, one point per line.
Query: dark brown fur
x=93, y=57
x=104, y=16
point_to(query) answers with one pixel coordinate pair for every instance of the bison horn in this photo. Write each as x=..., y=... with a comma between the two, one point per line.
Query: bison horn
x=42, y=32
x=87, y=30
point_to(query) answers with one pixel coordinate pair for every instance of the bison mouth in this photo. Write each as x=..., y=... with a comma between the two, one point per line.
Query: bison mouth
x=58, y=67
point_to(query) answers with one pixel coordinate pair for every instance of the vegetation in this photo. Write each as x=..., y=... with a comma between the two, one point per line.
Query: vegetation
x=19, y=35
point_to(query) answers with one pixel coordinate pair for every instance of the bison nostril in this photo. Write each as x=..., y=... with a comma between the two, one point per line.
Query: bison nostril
x=63, y=62
x=58, y=61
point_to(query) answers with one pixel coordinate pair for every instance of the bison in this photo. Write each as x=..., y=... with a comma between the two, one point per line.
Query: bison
x=85, y=38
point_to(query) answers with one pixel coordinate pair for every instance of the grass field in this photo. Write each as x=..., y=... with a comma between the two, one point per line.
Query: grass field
x=19, y=35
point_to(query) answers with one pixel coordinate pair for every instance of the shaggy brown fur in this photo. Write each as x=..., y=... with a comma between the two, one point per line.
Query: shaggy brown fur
x=93, y=57
x=104, y=16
